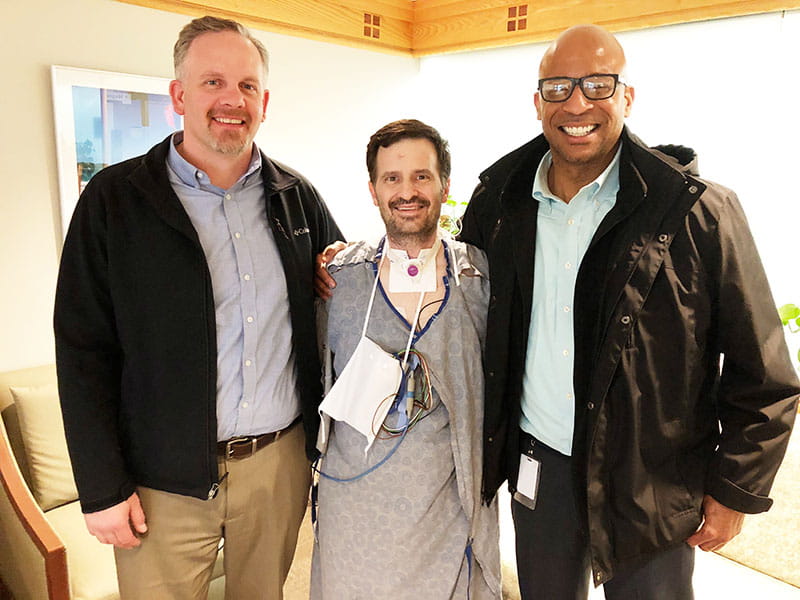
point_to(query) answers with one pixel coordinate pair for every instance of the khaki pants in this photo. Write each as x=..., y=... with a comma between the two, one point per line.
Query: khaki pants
x=258, y=511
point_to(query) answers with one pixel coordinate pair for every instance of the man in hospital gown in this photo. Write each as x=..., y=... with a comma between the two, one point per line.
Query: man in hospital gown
x=404, y=518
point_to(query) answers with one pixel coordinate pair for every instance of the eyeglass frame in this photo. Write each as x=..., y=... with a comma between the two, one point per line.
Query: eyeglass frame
x=577, y=82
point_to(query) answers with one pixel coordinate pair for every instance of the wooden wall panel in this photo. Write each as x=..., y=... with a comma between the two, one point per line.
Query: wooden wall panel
x=338, y=21
x=424, y=27
x=454, y=25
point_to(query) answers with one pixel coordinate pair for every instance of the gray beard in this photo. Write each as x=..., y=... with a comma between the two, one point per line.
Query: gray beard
x=402, y=238
x=233, y=148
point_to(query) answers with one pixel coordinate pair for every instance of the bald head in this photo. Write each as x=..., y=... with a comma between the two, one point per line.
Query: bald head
x=583, y=130
x=580, y=46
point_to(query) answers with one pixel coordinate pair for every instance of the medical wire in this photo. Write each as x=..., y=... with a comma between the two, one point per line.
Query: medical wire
x=425, y=404
x=428, y=394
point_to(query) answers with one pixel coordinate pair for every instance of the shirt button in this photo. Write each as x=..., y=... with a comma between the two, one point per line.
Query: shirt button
x=566, y=309
x=249, y=319
x=227, y=196
x=245, y=405
x=565, y=352
x=625, y=319
x=237, y=235
x=570, y=221
x=568, y=265
x=247, y=363
x=247, y=277
x=590, y=406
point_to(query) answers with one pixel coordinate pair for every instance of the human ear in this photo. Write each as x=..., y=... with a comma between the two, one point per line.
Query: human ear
x=264, y=106
x=629, y=95
x=373, y=194
x=176, y=93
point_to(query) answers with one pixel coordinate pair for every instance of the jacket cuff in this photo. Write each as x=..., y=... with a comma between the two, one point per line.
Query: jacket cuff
x=91, y=506
x=731, y=495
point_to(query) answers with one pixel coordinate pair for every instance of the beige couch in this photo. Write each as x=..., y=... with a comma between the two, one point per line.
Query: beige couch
x=45, y=550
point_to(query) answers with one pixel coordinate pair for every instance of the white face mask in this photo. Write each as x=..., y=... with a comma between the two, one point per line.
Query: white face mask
x=370, y=375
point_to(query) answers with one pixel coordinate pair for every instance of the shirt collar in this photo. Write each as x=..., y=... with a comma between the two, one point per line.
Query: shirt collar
x=197, y=178
x=605, y=187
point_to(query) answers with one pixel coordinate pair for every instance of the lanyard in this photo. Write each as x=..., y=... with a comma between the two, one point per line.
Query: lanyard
x=433, y=253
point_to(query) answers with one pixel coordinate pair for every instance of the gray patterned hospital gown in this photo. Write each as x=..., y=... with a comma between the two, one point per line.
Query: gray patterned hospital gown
x=403, y=530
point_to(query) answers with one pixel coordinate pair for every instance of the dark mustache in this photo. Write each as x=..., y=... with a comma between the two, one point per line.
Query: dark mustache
x=413, y=200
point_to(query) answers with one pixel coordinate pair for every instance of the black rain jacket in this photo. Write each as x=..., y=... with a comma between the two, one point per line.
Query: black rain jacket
x=670, y=284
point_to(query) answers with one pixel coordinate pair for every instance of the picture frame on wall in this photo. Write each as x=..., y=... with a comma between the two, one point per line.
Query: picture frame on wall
x=102, y=118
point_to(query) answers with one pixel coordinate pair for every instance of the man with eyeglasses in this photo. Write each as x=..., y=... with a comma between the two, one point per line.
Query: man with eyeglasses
x=619, y=280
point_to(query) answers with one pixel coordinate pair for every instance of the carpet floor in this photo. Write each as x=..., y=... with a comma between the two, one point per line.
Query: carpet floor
x=770, y=542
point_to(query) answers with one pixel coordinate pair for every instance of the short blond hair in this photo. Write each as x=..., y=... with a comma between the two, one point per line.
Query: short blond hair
x=209, y=24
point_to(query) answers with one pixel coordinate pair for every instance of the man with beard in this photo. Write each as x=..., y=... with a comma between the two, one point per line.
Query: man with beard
x=400, y=514
x=619, y=281
x=186, y=352
x=639, y=395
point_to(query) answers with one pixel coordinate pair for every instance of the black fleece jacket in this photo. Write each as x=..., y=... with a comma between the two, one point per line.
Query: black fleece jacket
x=136, y=333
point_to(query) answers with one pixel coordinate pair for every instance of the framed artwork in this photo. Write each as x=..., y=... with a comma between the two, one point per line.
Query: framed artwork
x=102, y=118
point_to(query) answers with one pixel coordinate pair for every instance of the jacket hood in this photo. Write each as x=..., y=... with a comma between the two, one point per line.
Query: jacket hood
x=683, y=157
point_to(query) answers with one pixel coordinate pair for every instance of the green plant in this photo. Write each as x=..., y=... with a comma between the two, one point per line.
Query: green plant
x=790, y=317
x=450, y=219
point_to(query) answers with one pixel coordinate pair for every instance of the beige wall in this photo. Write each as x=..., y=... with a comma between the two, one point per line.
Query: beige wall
x=36, y=34
x=107, y=35
x=326, y=100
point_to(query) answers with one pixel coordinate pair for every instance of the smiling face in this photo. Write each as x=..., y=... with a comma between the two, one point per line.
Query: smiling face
x=581, y=132
x=409, y=192
x=220, y=93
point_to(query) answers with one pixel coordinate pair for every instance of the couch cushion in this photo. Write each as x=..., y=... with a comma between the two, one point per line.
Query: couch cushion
x=92, y=571
x=42, y=431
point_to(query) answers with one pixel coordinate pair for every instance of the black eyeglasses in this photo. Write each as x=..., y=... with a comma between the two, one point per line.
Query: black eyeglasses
x=597, y=86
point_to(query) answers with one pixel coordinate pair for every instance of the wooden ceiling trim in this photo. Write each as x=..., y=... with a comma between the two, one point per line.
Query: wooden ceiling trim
x=425, y=27
x=431, y=10
x=455, y=25
x=347, y=22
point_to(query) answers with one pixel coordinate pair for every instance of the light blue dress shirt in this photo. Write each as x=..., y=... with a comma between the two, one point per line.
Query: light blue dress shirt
x=563, y=233
x=256, y=391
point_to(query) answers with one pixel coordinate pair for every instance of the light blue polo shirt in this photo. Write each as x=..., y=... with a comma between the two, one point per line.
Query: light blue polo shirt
x=256, y=380
x=563, y=233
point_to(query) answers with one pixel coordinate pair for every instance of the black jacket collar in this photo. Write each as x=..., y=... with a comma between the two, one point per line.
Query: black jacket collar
x=152, y=179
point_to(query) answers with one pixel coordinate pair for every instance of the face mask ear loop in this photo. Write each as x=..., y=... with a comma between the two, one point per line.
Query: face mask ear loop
x=372, y=295
x=413, y=330
x=432, y=256
x=372, y=300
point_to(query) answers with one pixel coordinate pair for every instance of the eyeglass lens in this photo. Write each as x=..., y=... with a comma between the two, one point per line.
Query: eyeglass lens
x=594, y=87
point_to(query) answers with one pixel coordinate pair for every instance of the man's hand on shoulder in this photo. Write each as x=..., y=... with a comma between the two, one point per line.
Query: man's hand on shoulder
x=323, y=282
x=119, y=524
x=720, y=525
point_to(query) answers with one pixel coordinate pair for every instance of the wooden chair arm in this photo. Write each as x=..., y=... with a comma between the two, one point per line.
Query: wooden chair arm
x=31, y=522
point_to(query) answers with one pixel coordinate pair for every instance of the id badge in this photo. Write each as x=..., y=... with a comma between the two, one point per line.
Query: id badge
x=527, y=481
